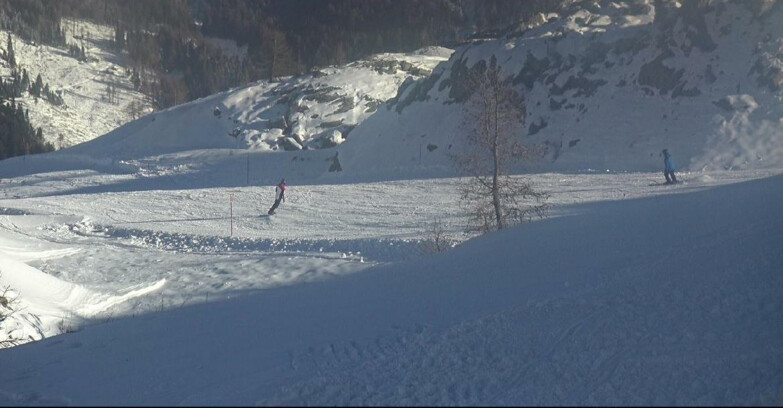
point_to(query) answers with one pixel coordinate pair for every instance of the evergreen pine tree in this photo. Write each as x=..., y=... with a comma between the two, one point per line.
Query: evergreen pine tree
x=16, y=84
x=25, y=85
x=37, y=86
x=10, y=52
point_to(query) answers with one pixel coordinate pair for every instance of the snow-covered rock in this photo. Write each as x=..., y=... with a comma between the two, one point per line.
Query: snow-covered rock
x=334, y=138
x=289, y=143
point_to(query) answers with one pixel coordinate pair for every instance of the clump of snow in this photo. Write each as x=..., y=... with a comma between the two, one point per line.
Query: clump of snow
x=335, y=138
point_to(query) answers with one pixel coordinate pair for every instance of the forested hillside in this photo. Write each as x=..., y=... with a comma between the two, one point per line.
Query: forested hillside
x=176, y=55
x=151, y=54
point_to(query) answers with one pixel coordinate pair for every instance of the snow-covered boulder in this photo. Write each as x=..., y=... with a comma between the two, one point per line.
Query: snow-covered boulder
x=289, y=143
x=299, y=132
x=332, y=139
x=738, y=103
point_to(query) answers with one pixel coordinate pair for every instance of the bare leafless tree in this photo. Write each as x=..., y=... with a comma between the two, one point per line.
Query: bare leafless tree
x=495, y=114
x=437, y=241
x=7, y=302
x=8, y=306
x=135, y=109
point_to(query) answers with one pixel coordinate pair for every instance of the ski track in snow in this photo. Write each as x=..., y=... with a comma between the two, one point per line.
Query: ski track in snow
x=351, y=227
x=538, y=351
x=546, y=350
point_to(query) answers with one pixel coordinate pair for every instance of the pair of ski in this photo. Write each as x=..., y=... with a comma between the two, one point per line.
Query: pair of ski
x=667, y=183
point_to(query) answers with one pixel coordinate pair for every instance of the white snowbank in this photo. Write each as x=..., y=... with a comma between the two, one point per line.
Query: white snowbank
x=42, y=305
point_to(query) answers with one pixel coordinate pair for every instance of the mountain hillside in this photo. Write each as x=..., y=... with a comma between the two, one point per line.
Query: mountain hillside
x=608, y=85
x=97, y=92
x=312, y=112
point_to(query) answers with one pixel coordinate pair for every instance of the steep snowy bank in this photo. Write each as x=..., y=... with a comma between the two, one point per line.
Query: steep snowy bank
x=38, y=305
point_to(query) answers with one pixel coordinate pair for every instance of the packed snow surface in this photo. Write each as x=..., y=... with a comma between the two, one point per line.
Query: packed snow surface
x=631, y=292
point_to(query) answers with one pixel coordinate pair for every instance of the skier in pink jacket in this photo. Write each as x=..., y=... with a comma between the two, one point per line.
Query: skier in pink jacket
x=279, y=196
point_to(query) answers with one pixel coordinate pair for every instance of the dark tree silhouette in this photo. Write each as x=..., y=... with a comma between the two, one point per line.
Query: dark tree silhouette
x=10, y=55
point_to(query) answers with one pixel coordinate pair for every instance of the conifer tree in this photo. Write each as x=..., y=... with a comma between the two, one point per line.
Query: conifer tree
x=37, y=86
x=25, y=85
x=11, y=55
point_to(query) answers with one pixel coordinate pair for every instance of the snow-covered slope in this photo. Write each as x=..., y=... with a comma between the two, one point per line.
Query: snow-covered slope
x=87, y=111
x=315, y=110
x=41, y=306
x=665, y=300
x=607, y=87
x=304, y=115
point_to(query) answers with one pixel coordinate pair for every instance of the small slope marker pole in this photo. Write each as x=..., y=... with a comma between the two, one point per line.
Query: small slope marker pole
x=231, y=209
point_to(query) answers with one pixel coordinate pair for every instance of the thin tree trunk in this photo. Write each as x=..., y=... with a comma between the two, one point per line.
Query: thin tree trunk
x=496, y=167
x=274, y=56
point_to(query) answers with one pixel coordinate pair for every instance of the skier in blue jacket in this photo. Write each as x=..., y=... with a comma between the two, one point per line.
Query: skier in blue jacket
x=668, y=169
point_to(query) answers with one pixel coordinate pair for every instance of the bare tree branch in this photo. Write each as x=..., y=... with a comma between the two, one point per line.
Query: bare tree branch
x=437, y=241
